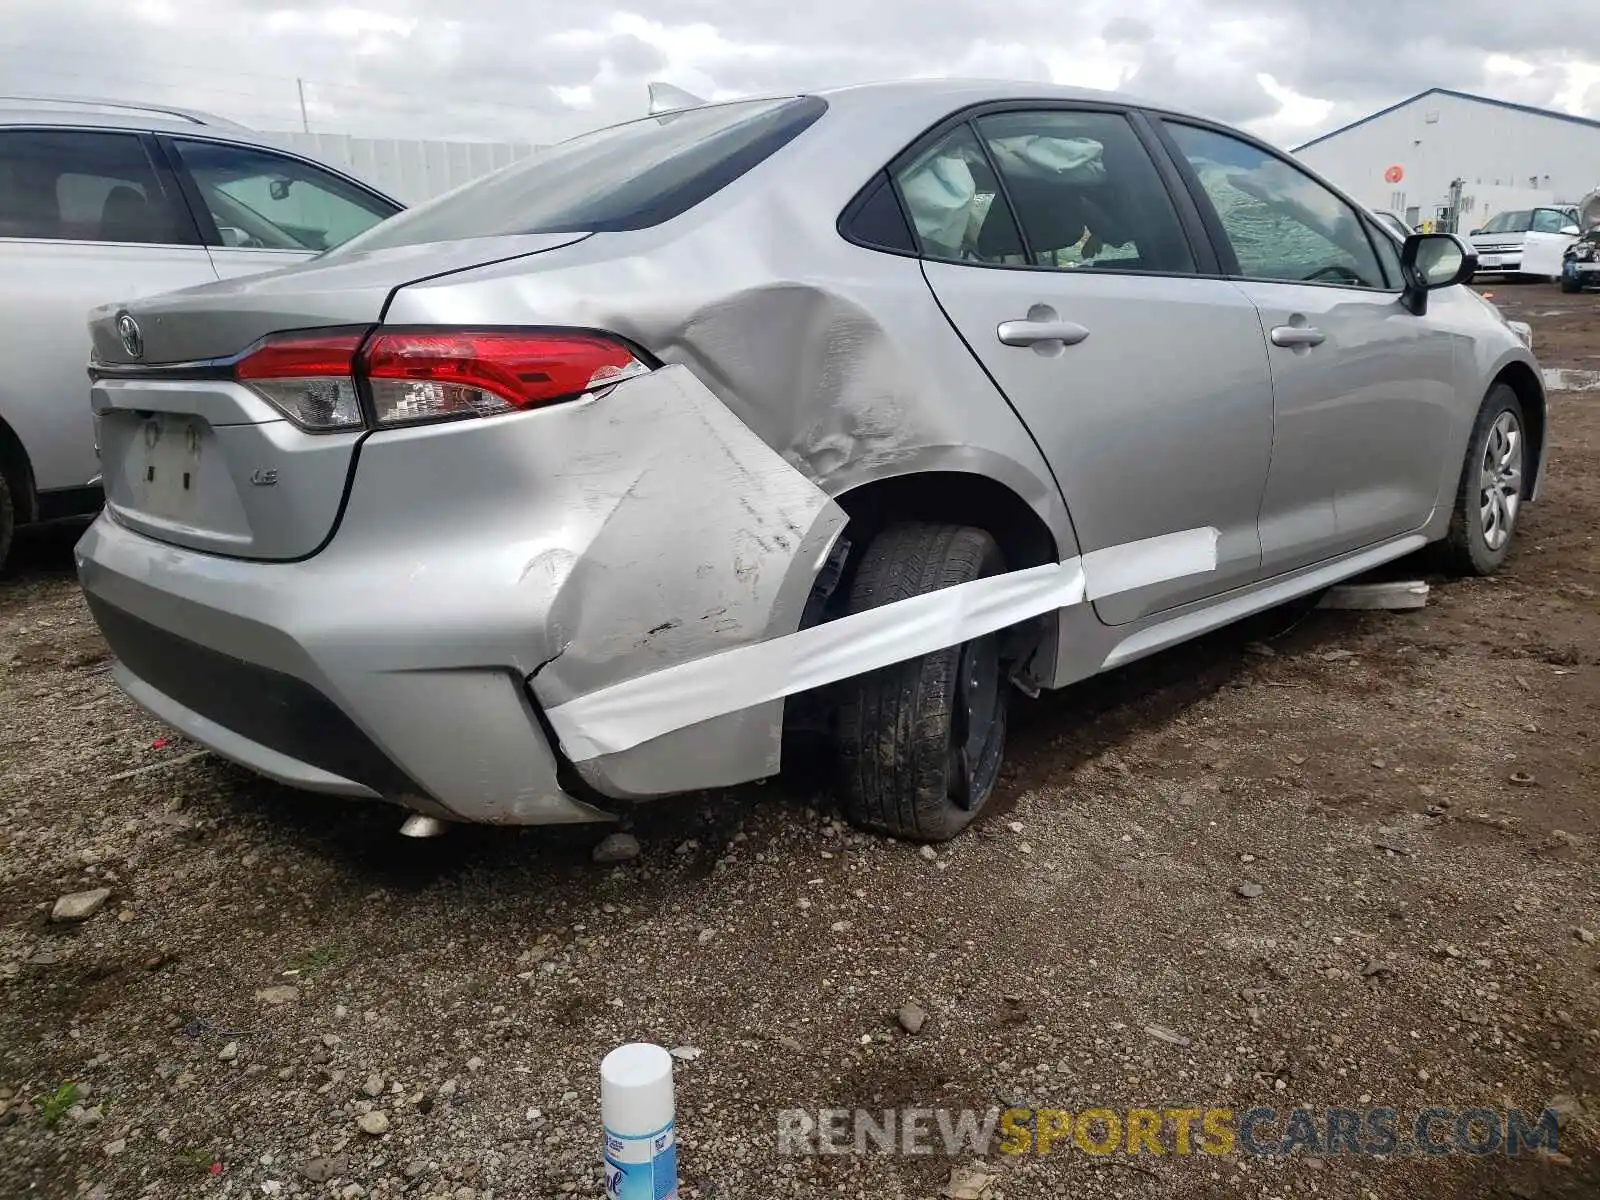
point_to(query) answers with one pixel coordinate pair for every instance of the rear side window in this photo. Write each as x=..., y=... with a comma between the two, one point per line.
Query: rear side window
x=875, y=219
x=1085, y=192
x=72, y=185
x=957, y=211
x=629, y=176
x=1053, y=188
x=266, y=201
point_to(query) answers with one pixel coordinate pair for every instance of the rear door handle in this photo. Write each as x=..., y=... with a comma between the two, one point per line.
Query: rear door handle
x=1297, y=335
x=1036, y=328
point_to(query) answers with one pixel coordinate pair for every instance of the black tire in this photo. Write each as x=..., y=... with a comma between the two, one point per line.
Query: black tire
x=1466, y=549
x=919, y=750
x=8, y=519
x=1570, y=286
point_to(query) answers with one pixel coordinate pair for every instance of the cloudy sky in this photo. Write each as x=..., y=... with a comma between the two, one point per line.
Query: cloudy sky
x=536, y=70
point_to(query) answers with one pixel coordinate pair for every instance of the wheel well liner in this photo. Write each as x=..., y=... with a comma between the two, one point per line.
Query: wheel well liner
x=954, y=497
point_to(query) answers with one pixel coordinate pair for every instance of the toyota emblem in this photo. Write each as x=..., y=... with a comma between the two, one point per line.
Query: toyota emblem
x=132, y=339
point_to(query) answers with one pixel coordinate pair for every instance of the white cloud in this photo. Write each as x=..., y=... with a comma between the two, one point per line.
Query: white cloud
x=521, y=70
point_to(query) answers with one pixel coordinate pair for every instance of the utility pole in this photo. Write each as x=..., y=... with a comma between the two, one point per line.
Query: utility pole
x=305, y=122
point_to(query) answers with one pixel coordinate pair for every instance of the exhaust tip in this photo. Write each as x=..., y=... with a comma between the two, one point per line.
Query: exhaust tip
x=419, y=826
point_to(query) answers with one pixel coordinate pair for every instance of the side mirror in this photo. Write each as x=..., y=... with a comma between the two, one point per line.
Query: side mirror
x=1430, y=261
x=1570, y=231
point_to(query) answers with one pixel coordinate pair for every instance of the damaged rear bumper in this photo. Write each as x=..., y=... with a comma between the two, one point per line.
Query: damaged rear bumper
x=213, y=648
x=480, y=571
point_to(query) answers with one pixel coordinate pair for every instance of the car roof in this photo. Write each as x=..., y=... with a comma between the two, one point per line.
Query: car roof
x=960, y=92
x=950, y=94
x=959, y=86
x=80, y=112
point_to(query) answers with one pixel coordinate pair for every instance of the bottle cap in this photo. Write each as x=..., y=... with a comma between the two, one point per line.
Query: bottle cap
x=636, y=1090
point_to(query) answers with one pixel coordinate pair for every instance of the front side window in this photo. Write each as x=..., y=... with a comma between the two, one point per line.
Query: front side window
x=1282, y=224
x=265, y=201
x=76, y=185
x=630, y=176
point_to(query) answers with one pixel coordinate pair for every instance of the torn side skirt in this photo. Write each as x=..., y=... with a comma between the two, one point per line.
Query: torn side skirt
x=613, y=720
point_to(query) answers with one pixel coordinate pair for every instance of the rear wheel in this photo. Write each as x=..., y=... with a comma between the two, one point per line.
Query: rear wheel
x=1494, y=482
x=920, y=742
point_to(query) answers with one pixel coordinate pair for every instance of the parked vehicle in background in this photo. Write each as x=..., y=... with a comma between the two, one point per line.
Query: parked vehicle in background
x=1525, y=241
x=577, y=485
x=1580, y=264
x=100, y=200
x=1393, y=222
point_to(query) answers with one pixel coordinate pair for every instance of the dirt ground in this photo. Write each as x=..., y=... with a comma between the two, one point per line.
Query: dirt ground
x=1415, y=795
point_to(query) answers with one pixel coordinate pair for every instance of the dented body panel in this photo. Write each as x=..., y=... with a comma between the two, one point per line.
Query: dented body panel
x=850, y=374
x=583, y=555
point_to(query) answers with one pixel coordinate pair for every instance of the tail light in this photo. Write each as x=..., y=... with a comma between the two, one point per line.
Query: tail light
x=309, y=377
x=428, y=375
x=423, y=376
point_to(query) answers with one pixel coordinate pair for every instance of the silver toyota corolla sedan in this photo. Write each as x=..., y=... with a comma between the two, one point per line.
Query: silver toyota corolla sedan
x=817, y=422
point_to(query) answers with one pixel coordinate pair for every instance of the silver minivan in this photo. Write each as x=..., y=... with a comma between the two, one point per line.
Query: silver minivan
x=101, y=201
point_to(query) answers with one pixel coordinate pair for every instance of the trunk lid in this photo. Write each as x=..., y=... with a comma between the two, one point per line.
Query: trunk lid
x=194, y=458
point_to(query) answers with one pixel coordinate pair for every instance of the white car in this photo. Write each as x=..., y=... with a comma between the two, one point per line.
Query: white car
x=1525, y=241
x=100, y=200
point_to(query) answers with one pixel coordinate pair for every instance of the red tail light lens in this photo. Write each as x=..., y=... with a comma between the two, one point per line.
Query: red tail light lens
x=420, y=376
x=309, y=377
x=429, y=374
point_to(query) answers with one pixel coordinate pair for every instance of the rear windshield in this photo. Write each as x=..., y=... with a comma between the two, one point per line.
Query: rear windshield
x=627, y=176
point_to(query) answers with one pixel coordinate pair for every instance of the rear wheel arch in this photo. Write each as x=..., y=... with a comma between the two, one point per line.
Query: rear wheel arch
x=956, y=498
x=965, y=498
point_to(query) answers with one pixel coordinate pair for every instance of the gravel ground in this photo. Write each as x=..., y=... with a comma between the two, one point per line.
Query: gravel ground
x=278, y=996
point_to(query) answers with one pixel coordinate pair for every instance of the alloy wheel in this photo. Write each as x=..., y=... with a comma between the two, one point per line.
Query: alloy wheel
x=1500, y=480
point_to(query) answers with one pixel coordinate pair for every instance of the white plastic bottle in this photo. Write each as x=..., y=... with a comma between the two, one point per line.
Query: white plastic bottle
x=636, y=1108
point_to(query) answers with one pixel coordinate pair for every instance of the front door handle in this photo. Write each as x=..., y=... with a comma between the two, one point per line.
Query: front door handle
x=1297, y=335
x=1042, y=325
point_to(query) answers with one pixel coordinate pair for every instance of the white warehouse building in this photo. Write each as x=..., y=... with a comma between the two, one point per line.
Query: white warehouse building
x=1408, y=158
